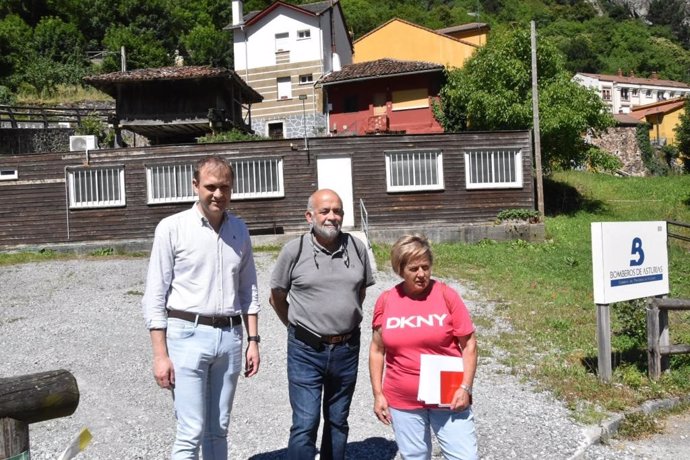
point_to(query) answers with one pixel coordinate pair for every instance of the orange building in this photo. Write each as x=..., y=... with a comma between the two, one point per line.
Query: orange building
x=403, y=40
x=663, y=117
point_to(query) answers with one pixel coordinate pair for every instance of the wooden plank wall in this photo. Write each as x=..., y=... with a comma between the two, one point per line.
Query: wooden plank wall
x=33, y=209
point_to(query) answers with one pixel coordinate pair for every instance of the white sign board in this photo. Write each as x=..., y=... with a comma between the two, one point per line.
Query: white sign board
x=629, y=260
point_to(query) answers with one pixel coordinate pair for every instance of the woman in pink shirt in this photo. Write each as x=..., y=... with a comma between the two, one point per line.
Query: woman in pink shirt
x=421, y=316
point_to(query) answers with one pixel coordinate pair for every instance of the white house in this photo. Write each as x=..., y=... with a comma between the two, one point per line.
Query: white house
x=621, y=93
x=280, y=52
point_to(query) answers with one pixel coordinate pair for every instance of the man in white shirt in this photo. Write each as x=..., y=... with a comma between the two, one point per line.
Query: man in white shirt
x=201, y=286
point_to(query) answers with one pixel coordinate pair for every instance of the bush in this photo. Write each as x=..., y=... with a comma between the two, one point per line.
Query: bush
x=233, y=135
x=651, y=161
x=632, y=321
x=6, y=96
x=528, y=215
x=600, y=160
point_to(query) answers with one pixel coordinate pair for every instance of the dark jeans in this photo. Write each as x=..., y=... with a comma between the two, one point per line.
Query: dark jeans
x=311, y=373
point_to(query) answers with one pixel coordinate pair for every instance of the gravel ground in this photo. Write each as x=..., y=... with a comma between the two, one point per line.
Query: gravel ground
x=84, y=316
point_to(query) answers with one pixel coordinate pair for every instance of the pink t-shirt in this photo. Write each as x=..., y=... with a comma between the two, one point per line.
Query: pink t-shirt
x=410, y=327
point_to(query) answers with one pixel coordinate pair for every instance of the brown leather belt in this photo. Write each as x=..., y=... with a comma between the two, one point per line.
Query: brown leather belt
x=215, y=321
x=331, y=339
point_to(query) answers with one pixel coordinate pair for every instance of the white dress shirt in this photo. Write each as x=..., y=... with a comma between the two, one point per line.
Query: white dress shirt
x=195, y=269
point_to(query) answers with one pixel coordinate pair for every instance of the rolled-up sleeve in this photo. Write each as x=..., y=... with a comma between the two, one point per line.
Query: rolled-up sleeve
x=248, y=288
x=159, y=278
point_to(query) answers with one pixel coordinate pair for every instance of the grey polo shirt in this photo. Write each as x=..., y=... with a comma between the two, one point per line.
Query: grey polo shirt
x=323, y=287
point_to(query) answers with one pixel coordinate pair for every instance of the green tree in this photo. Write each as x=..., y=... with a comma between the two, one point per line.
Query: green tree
x=682, y=131
x=493, y=92
x=205, y=45
x=15, y=37
x=142, y=50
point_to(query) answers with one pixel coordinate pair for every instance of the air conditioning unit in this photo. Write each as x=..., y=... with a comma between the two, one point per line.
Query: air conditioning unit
x=80, y=143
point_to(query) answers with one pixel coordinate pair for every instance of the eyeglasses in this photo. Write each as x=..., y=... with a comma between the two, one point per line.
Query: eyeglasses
x=315, y=252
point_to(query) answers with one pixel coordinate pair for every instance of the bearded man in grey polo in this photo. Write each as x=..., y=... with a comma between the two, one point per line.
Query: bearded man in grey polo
x=325, y=273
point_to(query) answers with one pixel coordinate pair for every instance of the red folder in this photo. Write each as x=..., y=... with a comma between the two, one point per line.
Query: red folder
x=450, y=382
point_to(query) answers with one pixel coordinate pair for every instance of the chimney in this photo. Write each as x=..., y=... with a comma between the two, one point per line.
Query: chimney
x=632, y=73
x=237, y=13
x=654, y=76
x=620, y=72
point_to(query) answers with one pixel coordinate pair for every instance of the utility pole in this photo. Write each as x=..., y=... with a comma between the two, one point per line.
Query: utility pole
x=535, y=118
x=123, y=59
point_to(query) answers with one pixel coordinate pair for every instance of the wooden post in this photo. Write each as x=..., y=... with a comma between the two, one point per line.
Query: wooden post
x=653, y=352
x=664, y=340
x=33, y=398
x=14, y=437
x=535, y=119
x=604, y=342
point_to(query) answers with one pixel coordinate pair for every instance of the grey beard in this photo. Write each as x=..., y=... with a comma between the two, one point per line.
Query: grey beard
x=326, y=233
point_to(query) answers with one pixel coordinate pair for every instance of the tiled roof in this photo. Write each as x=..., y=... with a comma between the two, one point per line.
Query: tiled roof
x=106, y=82
x=379, y=68
x=636, y=80
x=666, y=106
x=315, y=8
x=625, y=119
x=161, y=73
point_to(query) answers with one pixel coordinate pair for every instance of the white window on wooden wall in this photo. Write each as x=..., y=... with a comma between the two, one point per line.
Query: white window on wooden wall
x=170, y=183
x=9, y=174
x=493, y=168
x=414, y=170
x=258, y=178
x=284, y=88
x=100, y=187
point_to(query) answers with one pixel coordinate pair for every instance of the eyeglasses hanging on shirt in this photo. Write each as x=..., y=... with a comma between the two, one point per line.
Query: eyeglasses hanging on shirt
x=315, y=251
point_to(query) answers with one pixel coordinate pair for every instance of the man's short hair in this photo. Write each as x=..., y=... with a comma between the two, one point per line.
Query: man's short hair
x=214, y=161
x=407, y=248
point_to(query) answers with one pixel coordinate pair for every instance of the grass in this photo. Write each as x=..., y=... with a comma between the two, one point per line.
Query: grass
x=64, y=94
x=545, y=291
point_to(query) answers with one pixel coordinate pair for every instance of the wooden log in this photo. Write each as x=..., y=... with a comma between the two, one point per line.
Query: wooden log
x=672, y=304
x=38, y=397
x=14, y=437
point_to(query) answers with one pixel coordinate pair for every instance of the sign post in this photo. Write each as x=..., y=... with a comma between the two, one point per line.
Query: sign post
x=629, y=261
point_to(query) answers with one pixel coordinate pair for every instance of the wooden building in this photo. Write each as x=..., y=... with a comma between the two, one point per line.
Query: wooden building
x=434, y=180
x=178, y=104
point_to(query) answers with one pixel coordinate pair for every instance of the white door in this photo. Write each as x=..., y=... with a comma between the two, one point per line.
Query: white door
x=336, y=173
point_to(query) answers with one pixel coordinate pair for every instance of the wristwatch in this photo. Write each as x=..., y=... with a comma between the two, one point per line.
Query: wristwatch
x=254, y=338
x=467, y=388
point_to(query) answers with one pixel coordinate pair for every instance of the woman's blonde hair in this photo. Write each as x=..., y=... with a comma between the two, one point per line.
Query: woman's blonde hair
x=410, y=247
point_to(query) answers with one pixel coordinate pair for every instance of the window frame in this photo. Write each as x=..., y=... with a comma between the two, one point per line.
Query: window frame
x=9, y=174
x=280, y=182
x=304, y=34
x=282, y=38
x=439, y=185
x=151, y=200
x=517, y=183
x=286, y=85
x=306, y=79
x=100, y=203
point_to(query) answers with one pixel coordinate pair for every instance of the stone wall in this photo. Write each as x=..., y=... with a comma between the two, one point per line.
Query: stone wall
x=622, y=142
x=15, y=141
x=293, y=126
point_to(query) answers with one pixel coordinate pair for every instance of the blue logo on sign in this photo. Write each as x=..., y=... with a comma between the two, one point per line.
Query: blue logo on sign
x=637, y=250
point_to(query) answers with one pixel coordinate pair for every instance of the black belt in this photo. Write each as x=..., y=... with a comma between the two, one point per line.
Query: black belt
x=311, y=338
x=215, y=321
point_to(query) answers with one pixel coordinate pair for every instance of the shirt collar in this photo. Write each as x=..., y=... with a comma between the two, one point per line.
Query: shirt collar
x=202, y=219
